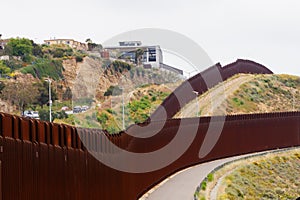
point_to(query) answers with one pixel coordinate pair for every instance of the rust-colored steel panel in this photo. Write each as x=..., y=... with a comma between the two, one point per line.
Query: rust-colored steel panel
x=34, y=130
x=74, y=138
x=16, y=127
x=49, y=138
x=36, y=169
x=67, y=134
x=27, y=171
x=58, y=171
x=61, y=136
x=43, y=173
x=11, y=169
x=25, y=130
x=1, y=124
x=41, y=132
x=72, y=175
x=1, y=166
x=55, y=134
x=39, y=171
x=7, y=125
x=51, y=161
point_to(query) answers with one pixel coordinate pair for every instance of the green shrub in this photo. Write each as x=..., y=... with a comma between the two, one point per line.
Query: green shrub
x=44, y=115
x=79, y=58
x=60, y=115
x=109, y=110
x=113, y=91
x=3, y=68
x=102, y=118
x=58, y=53
x=44, y=67
x=120, y=66
x=153, y=98
x=13, y=64
x=210, y=177
x=203, y=185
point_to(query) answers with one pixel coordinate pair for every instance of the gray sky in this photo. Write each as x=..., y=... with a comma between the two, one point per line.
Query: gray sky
x=265, y=31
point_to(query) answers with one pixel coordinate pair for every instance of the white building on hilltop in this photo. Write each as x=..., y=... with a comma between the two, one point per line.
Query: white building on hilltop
x=134, y=51
x=150, y=56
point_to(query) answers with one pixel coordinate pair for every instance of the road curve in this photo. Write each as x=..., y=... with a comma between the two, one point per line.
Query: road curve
x=183, y=184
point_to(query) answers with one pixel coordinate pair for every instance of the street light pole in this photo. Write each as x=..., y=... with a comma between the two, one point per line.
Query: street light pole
x=123, y=110
x=50, y=101
x=198, y=106
x=190, y=72
x=293, y=100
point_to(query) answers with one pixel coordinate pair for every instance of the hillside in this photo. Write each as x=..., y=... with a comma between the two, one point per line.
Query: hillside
x=109, y=86
x=270, y=176
x=78, y=78
x=247, y=93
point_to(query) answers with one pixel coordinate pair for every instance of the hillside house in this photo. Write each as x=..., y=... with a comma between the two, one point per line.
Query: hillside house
x=151, y=57
x=70, y=42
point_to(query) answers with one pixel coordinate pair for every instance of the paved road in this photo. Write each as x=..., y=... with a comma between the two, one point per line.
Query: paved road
x=212, y=103
x=182, y=185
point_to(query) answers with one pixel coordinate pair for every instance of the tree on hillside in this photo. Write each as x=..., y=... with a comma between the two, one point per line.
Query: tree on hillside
x=88, y=40
x=20, y=47
x=3, y=68
x=44, y=115
x=138, y=56
x=37, y=49
x=20, y=94
x=67, y=95
x=92, y=45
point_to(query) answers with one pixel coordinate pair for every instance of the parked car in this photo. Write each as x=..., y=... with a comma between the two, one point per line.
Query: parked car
x=85, y=108
x=31, y=114
x=77, y=109
x=64, y=108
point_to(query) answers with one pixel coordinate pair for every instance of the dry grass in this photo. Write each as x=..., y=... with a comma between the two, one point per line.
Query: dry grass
x=272, y=176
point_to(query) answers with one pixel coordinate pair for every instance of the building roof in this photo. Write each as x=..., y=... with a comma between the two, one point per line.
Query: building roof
x=59, y=40
x=130, y=43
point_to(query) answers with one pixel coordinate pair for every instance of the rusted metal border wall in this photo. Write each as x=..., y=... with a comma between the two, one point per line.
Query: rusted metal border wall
x=40, y=160
x=171, y=104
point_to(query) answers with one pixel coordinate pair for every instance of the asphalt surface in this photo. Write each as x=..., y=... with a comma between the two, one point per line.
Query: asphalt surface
x=182, y=185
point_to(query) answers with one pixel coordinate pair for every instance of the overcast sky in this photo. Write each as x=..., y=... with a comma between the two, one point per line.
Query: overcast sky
x=266, y=31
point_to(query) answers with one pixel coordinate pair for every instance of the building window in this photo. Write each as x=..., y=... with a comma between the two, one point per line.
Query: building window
x=152, y=54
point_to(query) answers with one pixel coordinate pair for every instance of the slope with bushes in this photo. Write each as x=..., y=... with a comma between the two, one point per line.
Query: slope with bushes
x=247, y=93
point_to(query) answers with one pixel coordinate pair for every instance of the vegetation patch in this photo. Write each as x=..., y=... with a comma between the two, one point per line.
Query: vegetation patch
x=271, y=176
x=266, y=93
x=143, y=102
x=45, y=68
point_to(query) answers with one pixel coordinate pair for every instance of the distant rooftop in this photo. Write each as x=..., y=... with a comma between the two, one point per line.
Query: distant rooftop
x=130, y=43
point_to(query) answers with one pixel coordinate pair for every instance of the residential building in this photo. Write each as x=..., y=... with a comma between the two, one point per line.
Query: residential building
x=70, y=42
x=151, y=57
x=130, y=43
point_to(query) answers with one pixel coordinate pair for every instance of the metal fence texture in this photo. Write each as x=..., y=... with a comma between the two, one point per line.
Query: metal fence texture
x=41, y=160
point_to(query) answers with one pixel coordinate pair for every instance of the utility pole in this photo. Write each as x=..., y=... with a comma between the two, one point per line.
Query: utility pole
x=123, y=110
x=198, y=106
x=50, y=101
